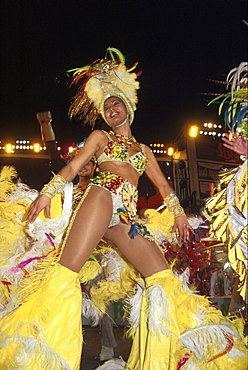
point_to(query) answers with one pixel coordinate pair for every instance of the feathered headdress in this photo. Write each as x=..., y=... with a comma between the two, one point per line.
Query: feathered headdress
x=100, y=80
x=236, y=113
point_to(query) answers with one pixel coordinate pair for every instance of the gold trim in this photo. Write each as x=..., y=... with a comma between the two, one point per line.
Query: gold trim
x=73, y=218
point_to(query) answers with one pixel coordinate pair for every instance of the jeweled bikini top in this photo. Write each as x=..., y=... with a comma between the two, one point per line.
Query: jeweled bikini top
x=118, y=151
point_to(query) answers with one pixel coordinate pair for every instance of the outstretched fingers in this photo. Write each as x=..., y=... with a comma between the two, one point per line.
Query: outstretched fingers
x=40, y=203
x=184, y=229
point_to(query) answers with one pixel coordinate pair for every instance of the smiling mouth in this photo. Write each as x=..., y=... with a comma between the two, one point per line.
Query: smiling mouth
x=113, y=114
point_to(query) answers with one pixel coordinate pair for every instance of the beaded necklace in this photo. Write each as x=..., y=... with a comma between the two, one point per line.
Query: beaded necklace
x=124, y=140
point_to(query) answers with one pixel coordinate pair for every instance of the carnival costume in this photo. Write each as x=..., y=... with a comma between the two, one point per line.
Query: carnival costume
x=171, y=327
x=228, y=209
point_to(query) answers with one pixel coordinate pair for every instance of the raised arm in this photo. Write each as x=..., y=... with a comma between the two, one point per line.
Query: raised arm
x=153, y=171
x=66, y=174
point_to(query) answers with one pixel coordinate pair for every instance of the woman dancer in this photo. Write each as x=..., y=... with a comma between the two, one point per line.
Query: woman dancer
x=172, y=328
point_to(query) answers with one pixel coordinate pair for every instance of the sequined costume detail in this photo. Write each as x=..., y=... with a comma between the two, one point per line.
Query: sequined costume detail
x=124, y=197
x=116, y=151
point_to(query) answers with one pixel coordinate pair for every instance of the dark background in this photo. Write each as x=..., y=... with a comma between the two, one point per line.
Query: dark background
x=179, y=46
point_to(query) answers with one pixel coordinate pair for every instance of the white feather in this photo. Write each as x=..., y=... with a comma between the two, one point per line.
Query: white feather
x=184, y=278
x=133, y=305
x=112, y=264
x=35, y=243
x=158, y=311
x=201, y=338
x=90, y=311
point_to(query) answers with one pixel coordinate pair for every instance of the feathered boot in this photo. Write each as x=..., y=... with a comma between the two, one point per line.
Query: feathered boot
x=181, y=330
x=45, y=331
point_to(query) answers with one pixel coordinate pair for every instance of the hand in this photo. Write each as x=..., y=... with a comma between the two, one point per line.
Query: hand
x=44, y=117
x=239, y=144
x=184, y=228
x=41, y=202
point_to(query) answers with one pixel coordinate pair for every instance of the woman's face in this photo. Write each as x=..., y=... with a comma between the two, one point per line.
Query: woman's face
x=115, y=111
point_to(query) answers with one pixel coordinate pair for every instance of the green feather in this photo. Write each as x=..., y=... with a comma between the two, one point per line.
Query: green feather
x=120, y=56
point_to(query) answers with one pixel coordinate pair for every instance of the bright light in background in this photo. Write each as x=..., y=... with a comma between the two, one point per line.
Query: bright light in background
x=193, y=131
x=70, y=149
x=170, y=151
x=8, y=148
x=36, y=147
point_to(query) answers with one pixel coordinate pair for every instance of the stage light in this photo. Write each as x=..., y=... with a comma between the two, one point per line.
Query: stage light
x=8, y=148
x=170, y=151
x=36, y=147
x=193, y=131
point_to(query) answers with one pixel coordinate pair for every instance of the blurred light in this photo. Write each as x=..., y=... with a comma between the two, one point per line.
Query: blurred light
x=215, y=125
x=167, y=163
x=210, y=125
x=36, y=147
x=201, y=132
x=170, y=151
x=219, y=126
x=8, y=148
x=205, y=133
x=219, y=134
x=17, y=141
x=70, y=149
x=205, y=124
x=193, y=131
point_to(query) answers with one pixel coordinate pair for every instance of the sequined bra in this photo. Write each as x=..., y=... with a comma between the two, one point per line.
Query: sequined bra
x=116, y=151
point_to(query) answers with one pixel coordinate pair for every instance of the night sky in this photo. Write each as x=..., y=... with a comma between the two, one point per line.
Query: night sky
x=179, y=46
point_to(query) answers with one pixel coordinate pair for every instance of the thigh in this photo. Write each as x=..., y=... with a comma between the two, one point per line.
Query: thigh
x=90, y=224
x=142, y=253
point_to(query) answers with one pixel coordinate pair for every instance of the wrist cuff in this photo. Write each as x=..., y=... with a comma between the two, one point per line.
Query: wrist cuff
x=55, y=186
x=173, y=205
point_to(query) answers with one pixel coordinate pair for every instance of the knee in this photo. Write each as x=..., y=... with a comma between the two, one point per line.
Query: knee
x=101, y=196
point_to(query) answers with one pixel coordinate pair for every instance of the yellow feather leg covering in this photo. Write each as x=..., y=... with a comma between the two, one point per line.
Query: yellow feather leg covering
x=45, y=332
x=179, y=328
